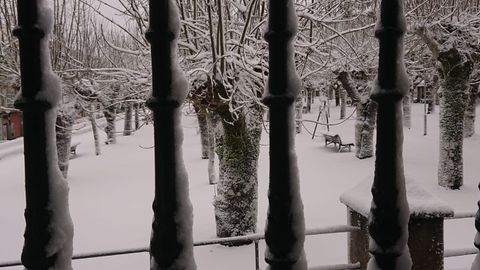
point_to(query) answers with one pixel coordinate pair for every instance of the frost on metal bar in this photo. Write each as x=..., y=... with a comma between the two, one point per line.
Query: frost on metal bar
x=171, y=244
x=389, y=213
x=49, y=229
x=285, y=229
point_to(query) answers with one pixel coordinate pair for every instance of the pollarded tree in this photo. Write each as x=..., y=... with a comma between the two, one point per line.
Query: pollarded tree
x=229, y=73
x=359, y=92
x=450, y=47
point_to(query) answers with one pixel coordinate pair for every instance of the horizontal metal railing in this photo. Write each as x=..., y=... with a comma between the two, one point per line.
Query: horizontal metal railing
x=457, y=252
x=337, y=267
x=255, y=238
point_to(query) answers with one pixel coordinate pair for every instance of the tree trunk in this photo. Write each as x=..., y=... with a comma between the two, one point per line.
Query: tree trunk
x=364, y=128
x=127, y=127
x=298, y=114
x=212, y=123
x=203, y=126
x=407, y=111
x=434, y=100
x=366, y=115
x=309, y=99
x=348, y=88
x=343, y=103
x=137, y=116
x=110, y=115
x=63, y=128
x=456, y=72
x=91, y=118
x=337, y=90
x=469, y=125
x=238, y=147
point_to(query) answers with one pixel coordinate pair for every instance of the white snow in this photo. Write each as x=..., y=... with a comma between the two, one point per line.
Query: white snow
x=421, y=202
x=61, y=225
x=111, y=195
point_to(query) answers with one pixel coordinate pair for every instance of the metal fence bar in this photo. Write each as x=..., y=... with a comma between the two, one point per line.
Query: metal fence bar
x=459, y=252
x=255, y=238
x=337, y=266
x=285, y=226
x=461, y=215
x=252, y=237
x=257, y=262
x=45, y=218
x=171, y=236
x=389, y=213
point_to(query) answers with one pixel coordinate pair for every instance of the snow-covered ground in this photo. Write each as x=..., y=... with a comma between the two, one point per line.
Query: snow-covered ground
x=111, y=194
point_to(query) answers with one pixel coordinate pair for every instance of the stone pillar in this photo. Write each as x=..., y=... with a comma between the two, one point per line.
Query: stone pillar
x=425, y=227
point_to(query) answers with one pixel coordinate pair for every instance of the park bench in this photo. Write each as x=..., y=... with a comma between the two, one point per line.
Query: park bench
x=335, y=139
x=73, y=149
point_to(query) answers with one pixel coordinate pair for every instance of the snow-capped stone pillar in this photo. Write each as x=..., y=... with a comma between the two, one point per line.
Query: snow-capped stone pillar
x=425, y=227
x=285, y=229
x=171, y=244
x=389, y=213
x=49, y=229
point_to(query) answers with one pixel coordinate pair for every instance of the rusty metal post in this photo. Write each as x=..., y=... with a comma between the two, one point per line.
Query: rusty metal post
x=389, y=214
x=171, y=244
x=285, y=229
x=49, y=230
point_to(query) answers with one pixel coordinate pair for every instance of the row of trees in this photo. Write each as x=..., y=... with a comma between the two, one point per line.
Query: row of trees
x=441, y=47
x=95, y=77
x=105, y=66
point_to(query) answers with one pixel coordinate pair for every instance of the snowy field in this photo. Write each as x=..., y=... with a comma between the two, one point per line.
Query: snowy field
x=111, y=194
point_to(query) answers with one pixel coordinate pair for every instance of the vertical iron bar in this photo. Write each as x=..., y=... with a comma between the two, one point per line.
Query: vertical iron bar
x=285, y=229
x=425, y=106
x=49, y=230
x=389, y=214
x=257, y=262
x=476, y=241
x=171, y=244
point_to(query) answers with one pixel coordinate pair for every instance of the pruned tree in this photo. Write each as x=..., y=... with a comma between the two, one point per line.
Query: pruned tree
x=450, y=47
x=359, y=92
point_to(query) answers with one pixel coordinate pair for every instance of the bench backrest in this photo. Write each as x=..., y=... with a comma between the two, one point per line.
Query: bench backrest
x=337, y=139
x=334, y=138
